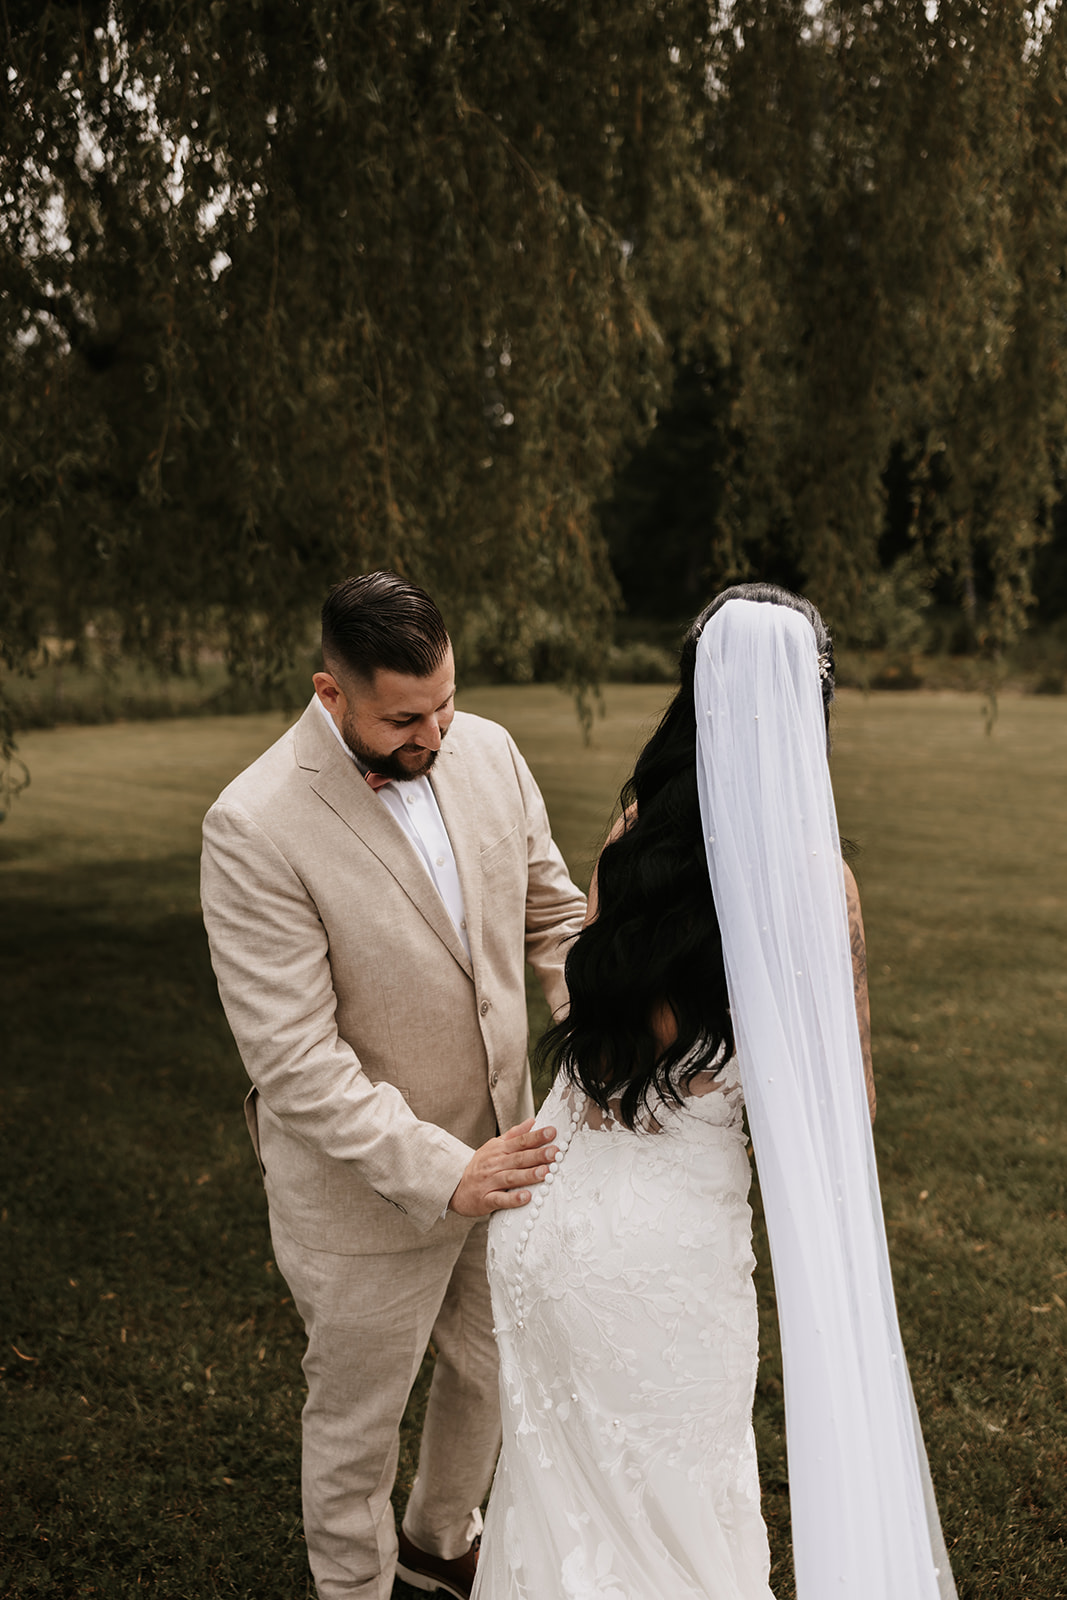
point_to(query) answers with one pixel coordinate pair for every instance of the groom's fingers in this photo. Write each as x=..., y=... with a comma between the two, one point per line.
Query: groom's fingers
x=498, y=1172
x=534, y=1157
x=526, y=1137
x=525, y=1154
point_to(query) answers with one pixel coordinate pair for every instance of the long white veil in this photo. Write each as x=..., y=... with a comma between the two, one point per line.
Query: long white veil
x=865, y=1524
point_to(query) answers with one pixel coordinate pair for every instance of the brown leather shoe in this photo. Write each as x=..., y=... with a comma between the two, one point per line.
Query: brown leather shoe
x=424, y=1571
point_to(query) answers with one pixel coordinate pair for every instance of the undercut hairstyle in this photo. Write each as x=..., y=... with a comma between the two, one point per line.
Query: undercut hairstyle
x=380, y=621
x=655, y=943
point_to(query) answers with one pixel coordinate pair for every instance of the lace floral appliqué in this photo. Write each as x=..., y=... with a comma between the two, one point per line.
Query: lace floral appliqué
x=626, y=1321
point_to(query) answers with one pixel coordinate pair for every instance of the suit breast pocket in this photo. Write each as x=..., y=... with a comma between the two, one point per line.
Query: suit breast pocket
x=506, y=857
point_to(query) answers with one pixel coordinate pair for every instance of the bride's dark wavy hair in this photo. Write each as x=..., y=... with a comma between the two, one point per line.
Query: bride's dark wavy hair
x=655, y=940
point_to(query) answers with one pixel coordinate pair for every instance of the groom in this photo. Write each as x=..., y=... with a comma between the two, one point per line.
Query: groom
x=371, y=889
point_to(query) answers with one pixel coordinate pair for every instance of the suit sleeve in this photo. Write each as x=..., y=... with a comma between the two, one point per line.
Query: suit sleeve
x=555, y=906
x=271, y=958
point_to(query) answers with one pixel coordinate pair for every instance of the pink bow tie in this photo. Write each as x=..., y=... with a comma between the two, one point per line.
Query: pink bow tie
x=376, y=780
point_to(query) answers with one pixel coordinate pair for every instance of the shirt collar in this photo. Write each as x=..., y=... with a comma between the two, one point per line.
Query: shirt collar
x=338, y=735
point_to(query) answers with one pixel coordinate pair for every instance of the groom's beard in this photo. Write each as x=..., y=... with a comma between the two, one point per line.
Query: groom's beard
x=416, y=762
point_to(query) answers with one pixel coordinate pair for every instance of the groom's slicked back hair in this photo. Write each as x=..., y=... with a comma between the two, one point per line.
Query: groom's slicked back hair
x=379, y=620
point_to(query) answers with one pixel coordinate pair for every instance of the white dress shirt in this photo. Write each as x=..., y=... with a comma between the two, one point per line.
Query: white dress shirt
x=414, y=805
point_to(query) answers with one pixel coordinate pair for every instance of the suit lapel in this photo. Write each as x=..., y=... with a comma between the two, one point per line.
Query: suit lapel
x=337, y=781
x=458, y=802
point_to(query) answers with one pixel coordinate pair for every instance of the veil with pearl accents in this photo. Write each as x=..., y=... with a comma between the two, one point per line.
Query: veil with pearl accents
x=865, y=1523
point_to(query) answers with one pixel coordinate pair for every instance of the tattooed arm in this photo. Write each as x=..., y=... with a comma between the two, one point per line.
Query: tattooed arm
x=859, y=978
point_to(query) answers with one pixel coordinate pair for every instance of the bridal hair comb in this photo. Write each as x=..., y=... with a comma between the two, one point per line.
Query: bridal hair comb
x=826, y=664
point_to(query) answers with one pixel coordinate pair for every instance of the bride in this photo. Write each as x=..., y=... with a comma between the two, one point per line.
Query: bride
x=714, y=973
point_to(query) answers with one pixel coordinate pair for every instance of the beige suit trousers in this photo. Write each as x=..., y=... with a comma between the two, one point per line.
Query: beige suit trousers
x=369, y=1319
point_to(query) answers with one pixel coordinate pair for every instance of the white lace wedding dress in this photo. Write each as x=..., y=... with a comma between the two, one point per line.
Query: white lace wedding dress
x=626, y=1319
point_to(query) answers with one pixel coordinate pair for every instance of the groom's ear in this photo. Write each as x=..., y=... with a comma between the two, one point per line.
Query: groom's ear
x=330, y=693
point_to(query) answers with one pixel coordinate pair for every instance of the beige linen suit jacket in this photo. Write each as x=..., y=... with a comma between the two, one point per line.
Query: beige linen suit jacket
x=380, y=1055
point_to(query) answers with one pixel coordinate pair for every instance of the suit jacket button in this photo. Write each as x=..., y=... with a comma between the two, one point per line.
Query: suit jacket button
x=484, y=1008
x=494, y=1080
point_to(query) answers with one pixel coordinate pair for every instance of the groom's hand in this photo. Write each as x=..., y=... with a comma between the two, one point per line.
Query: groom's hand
x=498, y=1172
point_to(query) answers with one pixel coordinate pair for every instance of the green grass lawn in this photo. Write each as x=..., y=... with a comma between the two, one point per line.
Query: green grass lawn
x=150, y=1357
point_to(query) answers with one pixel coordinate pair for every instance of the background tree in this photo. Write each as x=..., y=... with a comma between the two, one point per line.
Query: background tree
x=893, y=183
x=293, y=287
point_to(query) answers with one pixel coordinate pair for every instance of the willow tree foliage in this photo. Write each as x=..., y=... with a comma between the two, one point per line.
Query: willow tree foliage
x=888, y=381
x=297, y=287
x=901, y=173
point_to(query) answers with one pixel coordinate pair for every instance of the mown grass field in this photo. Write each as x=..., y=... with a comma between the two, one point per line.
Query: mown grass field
x=150, y=1355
